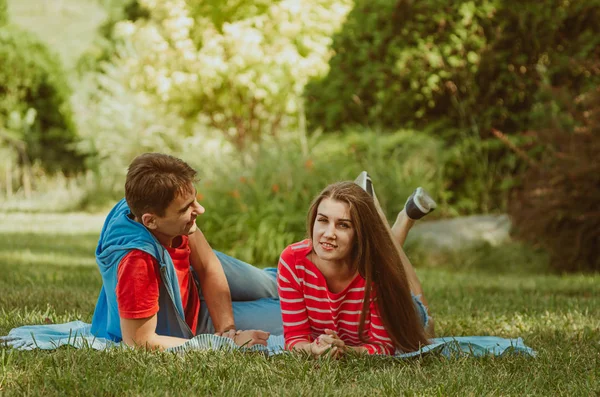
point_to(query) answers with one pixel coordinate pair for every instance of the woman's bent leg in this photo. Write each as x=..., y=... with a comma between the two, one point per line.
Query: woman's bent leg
x=401, y=227
x=254, y=297
x=263, y=314
x=246, y=282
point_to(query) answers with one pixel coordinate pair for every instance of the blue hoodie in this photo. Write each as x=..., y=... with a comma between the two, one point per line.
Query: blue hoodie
x=121, y=234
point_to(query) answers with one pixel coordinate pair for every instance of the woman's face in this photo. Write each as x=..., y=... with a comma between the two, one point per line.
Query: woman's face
x=333, y=231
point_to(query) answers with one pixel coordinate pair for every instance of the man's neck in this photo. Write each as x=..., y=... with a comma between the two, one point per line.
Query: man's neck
x=167, y=241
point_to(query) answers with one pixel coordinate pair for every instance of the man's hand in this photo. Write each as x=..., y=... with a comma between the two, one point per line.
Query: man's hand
x=251, y=337
x=230, y=333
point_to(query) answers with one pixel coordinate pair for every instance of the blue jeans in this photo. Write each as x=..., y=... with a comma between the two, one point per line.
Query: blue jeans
x=254, y=297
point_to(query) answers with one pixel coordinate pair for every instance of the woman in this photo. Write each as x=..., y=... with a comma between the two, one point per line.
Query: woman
x=348, y=286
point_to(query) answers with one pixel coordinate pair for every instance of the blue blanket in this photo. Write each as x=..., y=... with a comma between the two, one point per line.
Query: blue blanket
x=77, y=334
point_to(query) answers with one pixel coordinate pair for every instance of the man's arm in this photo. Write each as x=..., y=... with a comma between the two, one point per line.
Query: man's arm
x=212, y=281
x=142, y=333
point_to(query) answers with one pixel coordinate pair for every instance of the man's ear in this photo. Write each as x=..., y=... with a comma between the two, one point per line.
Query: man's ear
x=149, y=220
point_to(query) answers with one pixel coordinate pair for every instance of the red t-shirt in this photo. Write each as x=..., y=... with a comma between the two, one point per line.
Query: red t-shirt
x=138, y=284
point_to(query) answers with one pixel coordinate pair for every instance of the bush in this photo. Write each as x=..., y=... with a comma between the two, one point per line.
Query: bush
x=557, y=205
x=458, y=69
x=237, y=68
x=255, y=208
x=470, y=64
x=35, y=111
x=105, y=44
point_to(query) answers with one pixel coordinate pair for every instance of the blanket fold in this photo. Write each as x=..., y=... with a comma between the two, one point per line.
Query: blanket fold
x=78, y=334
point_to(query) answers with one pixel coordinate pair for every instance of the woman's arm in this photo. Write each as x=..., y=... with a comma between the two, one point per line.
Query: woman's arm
x=381, y=343
x=296, y=327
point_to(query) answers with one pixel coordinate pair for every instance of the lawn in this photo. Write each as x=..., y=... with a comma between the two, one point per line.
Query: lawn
x=48, y=274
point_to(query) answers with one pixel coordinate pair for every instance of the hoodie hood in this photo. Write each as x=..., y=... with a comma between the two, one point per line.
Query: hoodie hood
x=120, y=234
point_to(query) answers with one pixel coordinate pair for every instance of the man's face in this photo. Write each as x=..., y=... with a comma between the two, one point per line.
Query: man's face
x=179, y=219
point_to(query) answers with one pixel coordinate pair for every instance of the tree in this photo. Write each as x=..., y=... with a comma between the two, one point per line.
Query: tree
x=237, y=68
x=466, y=64
x=35, y=112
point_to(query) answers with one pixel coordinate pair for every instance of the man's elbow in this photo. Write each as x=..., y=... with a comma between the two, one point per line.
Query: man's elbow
x=139, y=342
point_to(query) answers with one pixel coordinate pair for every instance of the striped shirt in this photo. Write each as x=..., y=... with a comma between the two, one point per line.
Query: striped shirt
x=308, y=307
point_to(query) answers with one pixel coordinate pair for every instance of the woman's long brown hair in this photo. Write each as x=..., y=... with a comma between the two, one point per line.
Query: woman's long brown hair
x=377, y=260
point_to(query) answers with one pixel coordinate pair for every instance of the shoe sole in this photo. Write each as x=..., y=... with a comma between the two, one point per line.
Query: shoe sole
x=364, y=181
x=424, y=201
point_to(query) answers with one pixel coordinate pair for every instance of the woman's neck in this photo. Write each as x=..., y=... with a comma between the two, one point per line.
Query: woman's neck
x=337, y=274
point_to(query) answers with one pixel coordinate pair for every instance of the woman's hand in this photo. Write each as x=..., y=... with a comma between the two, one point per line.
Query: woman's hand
x=329, y=343
x=251, y=337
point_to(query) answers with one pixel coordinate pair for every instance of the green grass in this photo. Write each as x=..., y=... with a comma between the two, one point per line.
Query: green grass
x=47, y=273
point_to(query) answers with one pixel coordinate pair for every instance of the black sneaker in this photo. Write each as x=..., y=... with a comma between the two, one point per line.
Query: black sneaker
x=419, y=204
x=364, y=181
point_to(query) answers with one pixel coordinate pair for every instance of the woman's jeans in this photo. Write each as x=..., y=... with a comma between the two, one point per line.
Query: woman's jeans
x=254, y=297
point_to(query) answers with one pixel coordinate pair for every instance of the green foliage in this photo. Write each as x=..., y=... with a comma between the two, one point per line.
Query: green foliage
x=3, y=12
x=255, y=207
x=35, y=111
x=458, y=69
x=466, y=63
x=224, y=12
x=557, y=204
x=395, y=60
x=104, y=46
x=67, y=27
x=237, y=68
x=555, y=43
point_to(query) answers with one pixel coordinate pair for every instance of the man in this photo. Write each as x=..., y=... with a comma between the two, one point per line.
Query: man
x=150, y=296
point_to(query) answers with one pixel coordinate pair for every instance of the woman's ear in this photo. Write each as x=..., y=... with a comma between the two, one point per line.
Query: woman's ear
x=149, y=220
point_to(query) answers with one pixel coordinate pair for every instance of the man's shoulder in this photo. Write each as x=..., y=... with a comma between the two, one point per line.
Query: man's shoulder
x=136, y=256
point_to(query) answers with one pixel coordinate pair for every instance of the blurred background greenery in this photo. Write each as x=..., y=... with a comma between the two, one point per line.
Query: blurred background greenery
x=491, y=107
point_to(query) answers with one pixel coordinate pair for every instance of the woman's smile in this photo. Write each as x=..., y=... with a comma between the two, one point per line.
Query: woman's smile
x=328, y=246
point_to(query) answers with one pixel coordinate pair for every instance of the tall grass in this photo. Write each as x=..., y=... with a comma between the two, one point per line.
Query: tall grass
x=256, y=205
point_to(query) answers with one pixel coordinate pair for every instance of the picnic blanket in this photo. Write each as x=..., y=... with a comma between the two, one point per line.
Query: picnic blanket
x=78, y=334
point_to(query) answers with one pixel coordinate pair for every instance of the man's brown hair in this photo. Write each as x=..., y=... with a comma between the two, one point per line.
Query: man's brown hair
x=154, y=180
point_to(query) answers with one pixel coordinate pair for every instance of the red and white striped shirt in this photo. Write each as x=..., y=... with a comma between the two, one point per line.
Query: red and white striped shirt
x=308, y=307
